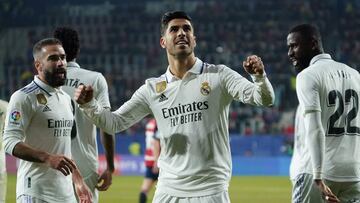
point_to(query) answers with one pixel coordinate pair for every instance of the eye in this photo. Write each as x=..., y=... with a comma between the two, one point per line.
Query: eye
x=187, y=28
x=53, y=58
x=173, y=29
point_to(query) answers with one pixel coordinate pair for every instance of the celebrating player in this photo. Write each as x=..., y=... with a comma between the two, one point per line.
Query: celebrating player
x=190, y=103
x=38, y=129
x=328, y=93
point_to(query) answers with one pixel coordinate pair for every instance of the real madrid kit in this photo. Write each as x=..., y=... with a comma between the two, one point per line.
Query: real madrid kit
x=3, y=107
x=84, y=145
x=41, y=117
x=192, y=116
x=333, y=89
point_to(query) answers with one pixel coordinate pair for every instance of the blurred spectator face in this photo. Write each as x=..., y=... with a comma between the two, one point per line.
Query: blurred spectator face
x=300, y=51
x=51, y=65
x=179, y=39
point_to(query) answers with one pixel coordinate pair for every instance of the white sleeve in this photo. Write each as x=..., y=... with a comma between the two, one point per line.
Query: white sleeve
x=18, y=117
x=315, y=139
x=128, y=114
x=259, y=92
x=307, y=89
x=102, y=91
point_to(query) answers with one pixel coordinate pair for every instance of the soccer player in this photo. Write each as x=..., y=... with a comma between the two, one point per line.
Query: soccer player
x=190, y=103
x=38, y=129
x=328, y=93
x=3, y=107
x=151, y=156
x=84, y=145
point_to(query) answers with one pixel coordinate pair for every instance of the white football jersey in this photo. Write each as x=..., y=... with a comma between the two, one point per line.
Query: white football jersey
x=3, y=107
x=84, y=145
x=192, y=115
x=41, y=117
x=333, y=88
x=300, y=161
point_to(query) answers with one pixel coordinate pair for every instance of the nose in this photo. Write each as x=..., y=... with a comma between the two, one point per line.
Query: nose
x=61, y=62
x=181, y=32
x=290, y=52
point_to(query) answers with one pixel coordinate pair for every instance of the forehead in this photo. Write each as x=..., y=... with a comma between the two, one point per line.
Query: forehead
x=53, y=49
x=179, y=22
x=294, y=37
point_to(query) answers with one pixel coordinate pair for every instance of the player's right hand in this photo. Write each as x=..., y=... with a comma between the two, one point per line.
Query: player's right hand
x=61, y=163
x=83, y=94
x=328, y=195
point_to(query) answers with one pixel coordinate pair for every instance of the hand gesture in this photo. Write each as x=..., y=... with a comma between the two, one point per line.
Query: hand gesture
x=81, y=189
x=326, y=192
x=83, y=94
x=253, y=65
x=104, y=181
x=61, y=163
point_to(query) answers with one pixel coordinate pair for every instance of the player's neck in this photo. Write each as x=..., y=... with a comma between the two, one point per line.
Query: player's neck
x=179, y=67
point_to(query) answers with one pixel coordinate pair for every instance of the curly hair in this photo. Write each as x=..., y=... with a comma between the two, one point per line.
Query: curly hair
x=70, y=41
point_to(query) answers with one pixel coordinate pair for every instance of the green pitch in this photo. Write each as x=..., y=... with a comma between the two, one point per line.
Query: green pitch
x=243, y=189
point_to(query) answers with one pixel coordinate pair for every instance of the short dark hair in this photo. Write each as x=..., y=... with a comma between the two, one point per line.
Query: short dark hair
x=70, y=40
x=42, y=43
x=307, y=31
x=168, y=16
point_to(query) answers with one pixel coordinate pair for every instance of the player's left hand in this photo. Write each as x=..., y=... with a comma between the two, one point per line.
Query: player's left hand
x=253, y=65
x=82, y=191
x=326, y=192
x=104, y=181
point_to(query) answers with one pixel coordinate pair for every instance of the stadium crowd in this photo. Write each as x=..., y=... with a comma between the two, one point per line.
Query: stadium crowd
x=121, y=41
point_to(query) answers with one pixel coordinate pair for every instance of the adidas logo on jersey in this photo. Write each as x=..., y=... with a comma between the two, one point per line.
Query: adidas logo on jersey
x=162, y=98
x=46, y=108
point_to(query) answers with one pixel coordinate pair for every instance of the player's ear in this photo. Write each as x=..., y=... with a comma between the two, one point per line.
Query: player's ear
x=162, y=42
x=37, y=65
x=314, y=44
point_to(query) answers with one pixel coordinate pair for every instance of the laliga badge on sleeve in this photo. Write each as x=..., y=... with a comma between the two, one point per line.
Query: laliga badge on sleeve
x=205, y=88
x=160, y=86
x=15, y=117
x=41, y=99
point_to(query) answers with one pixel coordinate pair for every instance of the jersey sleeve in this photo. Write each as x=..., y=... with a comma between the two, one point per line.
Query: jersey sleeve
x=128, y=114
x=17, y=120
x=307, y=89
x=102, y=91
x=258, y=92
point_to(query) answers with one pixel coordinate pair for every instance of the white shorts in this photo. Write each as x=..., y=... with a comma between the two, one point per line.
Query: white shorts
x=222, y=197
x=29, y=199
x=345, y=191
x=304, y=190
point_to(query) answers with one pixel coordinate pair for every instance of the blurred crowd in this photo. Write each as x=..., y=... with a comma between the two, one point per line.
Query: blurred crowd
x=121, y=40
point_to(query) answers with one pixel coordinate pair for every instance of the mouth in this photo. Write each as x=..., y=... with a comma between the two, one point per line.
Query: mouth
x=294, y=61
x=182, y=42
x=60, y=74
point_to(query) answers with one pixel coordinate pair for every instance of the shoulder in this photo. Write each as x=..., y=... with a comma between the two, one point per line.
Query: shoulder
x=214, y=68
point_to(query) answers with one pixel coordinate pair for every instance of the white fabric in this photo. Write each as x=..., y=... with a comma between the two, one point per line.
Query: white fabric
x=300, y=161
x=192, y=116
x=41, y=117
x=332, y=89
x=84, y=145
x=3, y=177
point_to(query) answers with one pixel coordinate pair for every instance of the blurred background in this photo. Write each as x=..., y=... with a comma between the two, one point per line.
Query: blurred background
x=121, y=40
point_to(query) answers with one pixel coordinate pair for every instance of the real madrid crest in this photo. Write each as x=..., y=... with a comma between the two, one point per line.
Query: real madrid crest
x=205, y=88
x=41, y=99
x=160, y=86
